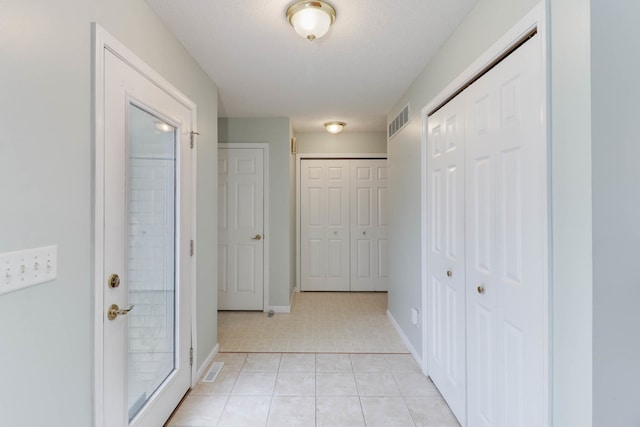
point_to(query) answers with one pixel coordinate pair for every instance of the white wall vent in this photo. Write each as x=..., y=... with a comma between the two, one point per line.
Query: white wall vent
x=398, y=123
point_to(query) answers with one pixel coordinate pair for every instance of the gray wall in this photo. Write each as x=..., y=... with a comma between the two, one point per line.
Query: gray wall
x=571, y=212
x=570, y=153
x=345, y=142
x=615, y=45
x=46, y=332
x=277, y=133
x=486, y=22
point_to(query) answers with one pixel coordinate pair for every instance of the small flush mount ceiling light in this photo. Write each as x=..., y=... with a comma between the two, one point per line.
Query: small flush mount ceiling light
x=311, y=19
x=334, y=127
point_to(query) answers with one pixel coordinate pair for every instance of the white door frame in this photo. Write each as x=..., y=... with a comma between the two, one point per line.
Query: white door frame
x=102, y=41
x=266, y=237
x=299, y=158
x=534, y=19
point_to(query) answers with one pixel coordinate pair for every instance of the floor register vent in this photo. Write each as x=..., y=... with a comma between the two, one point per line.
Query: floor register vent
x=399, y=122
x=213, y=372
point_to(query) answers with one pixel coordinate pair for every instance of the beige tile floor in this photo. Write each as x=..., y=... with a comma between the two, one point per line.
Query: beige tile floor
x=319, y=322
x=315, y=390
x=334, y=361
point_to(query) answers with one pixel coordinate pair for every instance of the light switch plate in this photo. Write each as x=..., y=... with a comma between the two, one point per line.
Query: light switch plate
x=26, y=268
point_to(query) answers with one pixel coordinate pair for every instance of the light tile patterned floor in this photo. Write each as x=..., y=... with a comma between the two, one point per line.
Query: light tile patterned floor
x=319, y=322
x=315, y=367
x=315, y=390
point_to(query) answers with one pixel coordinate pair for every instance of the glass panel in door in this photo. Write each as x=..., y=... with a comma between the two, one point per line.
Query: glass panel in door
x=151, y=267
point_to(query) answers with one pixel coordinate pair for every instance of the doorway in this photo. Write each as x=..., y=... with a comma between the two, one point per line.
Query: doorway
x=342, y=222
x=242, y=226
x=144, y=218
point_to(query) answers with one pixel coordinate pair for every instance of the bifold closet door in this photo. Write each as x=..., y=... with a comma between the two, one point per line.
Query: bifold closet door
x=369, y=269
x=324, y=225
x=505, y=228
x=446, y=349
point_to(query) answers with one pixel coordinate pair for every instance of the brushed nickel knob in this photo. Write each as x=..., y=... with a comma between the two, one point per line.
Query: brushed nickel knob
x=449, y=273
x=481, y=289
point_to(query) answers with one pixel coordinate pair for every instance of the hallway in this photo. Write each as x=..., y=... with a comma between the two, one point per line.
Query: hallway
x=336, y=360
x=322, y=322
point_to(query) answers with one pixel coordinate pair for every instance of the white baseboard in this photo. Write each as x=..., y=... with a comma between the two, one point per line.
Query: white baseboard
x=279, y=308
x=207, y=362
x=405, y=340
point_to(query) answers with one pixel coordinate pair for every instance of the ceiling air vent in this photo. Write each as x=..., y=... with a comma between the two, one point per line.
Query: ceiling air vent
x=399, y=122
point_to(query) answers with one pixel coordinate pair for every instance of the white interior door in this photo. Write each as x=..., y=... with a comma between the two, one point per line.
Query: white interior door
x=241, y=228
x=505, y=222
x=147, y=199
x=368, y=226
x=324, y=225
x=446, y=349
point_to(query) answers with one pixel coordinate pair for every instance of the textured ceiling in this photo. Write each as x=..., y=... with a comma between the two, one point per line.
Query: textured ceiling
x=356, y=73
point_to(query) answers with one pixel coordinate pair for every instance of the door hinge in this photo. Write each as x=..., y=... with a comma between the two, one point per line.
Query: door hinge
x=192, y=248
x=193, y=138
x=191, y=356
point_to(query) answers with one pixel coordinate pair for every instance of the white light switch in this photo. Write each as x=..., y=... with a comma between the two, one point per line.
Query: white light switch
x=26, y=268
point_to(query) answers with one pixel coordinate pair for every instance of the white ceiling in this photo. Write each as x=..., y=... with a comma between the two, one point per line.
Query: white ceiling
x=356, y=73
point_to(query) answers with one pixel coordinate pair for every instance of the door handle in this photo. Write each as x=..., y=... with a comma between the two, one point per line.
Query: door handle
x=257, y=237
x=115, y=311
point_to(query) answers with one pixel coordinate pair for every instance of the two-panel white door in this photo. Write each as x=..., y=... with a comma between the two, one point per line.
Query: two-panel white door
x=343, y=225
x=324, y=220
x=486, y=169
x=241, y=228
x=446, y=354
x=368, y=206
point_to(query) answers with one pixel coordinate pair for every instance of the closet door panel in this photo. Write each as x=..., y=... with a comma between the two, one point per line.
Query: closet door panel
x=446, y=347
x=381, y=222
x=506, y=214
x=368, y=225
x=324, y=225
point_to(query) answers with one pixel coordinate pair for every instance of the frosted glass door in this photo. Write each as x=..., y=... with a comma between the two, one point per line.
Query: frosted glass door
x=151, y=257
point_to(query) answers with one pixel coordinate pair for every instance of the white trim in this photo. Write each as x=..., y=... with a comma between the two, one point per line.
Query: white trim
x=278, y=308
x=264, y=146
x=204, y=368
x=405, y=340
x=194, y=234
x=102, y=41
x=535, y=18
x=299, y=157
x=424, y=227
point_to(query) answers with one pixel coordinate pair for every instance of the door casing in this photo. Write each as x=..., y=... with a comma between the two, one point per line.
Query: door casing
x=102, y=41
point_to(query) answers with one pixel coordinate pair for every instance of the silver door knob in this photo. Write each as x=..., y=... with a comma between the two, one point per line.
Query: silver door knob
x=449, y=273
x=481, y=289
x=115, y=311
x=257, y=237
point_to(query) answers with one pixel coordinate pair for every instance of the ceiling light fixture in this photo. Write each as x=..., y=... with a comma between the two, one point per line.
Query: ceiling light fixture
x=334, y=127
x=311, y=19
